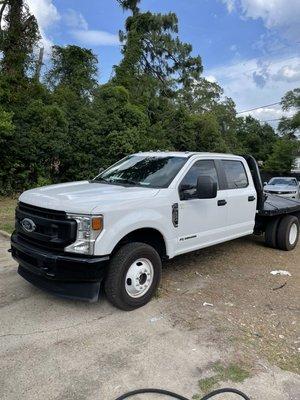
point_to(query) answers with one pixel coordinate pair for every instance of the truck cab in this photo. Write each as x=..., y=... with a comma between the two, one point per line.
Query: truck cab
x=115, y=230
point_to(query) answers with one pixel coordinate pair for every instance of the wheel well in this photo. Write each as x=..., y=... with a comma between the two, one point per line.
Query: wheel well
x=149, y=236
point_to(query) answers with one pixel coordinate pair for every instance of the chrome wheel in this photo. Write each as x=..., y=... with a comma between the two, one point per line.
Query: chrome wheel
x=293, y=234
x=139, y=278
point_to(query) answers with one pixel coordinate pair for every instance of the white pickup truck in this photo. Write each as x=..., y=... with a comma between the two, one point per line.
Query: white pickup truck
x=116, y=229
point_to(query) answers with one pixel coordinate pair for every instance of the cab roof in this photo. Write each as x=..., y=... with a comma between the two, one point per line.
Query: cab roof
x=185, y=154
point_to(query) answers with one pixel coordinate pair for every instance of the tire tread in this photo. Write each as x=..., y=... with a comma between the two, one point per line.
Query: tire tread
x=112, y=288
x=283, y=232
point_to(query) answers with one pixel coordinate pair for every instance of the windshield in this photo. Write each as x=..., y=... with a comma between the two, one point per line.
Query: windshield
x=283, y=181
x=139, y=170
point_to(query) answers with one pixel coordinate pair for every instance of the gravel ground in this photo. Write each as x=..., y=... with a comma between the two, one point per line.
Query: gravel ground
x=219, y=319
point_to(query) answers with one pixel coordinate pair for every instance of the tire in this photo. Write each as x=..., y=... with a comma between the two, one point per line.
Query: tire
x=288, y=233
x=271, y=233
x=134, y=265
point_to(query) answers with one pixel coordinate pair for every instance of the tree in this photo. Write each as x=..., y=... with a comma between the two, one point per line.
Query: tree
x=256, y=138
x=289, y=127
x=201, y=96
x=18, y=37
x=282, y=158
x=75, y=68
x=152, y=49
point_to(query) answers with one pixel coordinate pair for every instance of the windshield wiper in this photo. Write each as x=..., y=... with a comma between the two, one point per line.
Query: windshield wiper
x=99, y=179
x=124, y=180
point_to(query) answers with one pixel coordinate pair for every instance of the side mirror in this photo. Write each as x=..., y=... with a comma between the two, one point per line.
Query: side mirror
x=265, y=183
x=206, y=188
x=101, y=169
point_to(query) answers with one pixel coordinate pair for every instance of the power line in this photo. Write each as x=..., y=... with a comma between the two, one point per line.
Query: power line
x=257, y=108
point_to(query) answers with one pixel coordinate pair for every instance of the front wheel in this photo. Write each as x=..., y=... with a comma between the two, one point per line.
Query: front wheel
x=133, y=276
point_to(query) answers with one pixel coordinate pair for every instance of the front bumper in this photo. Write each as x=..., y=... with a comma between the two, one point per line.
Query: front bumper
x=71, y=276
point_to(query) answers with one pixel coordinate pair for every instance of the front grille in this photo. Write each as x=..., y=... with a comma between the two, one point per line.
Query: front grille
x=53, y=230
x=42, y=212
x=279, y=192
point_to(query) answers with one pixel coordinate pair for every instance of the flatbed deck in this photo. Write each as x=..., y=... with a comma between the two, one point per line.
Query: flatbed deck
x=276, y=205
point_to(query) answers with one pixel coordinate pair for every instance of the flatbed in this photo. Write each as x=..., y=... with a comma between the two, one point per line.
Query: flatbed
x=276, y=205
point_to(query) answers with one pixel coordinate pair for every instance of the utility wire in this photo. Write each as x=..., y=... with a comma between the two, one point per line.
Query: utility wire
x=257, y=108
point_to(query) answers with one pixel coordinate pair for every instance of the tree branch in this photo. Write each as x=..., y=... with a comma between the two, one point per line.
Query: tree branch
x=2, y=11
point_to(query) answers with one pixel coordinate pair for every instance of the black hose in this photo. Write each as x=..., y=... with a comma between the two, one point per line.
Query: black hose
x=179, y=397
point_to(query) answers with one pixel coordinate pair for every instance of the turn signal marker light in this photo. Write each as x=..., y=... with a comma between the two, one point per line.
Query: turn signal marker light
x=97, y=223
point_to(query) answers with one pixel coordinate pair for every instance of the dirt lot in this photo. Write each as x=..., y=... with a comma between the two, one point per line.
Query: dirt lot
x=246, y=337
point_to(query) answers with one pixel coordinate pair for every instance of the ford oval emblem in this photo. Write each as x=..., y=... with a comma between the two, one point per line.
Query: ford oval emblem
x=28, y=225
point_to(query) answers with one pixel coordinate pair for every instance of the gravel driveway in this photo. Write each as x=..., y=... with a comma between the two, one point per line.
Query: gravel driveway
x=220, y=318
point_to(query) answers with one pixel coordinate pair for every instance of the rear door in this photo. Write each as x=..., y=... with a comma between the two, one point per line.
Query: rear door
x=240, y=195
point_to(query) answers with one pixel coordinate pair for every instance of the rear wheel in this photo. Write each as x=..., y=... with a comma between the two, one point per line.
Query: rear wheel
x=133, y=276
x=271, y=233
x=288, y=233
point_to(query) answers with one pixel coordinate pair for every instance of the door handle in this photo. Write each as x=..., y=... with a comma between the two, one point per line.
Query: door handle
x=222, y=202
x=251, y=198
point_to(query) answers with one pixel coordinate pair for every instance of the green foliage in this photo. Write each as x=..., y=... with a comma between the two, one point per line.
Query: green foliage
x=256, y=139
x=282, y=158
x=18, y=37
x=220, y=373
x=290, y=127
x=73, y=67
x=153, y=53
x=67, y=126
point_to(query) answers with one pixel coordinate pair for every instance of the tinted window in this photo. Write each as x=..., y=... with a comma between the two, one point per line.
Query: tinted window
x=200, y=168
x=235, y=174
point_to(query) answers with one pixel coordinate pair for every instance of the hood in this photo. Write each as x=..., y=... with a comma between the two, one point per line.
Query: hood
x=83, y=196
x=281, y=188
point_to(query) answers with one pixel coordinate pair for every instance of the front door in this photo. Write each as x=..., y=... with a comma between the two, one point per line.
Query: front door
x=201, y=221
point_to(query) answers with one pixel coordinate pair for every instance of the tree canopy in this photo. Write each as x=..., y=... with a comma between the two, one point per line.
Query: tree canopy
x=64, y=125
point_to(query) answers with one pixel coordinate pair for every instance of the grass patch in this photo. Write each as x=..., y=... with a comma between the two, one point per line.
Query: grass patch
x=231, y=373
x=7, y=214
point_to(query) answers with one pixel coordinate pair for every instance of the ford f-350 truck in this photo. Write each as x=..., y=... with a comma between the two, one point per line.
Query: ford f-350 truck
x=115, y=230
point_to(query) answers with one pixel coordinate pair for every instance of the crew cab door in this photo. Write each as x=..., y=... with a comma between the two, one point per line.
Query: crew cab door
x=201, y=221
x=240, y=195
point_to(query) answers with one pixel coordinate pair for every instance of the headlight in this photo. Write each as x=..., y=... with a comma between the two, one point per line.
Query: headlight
x=88, y=229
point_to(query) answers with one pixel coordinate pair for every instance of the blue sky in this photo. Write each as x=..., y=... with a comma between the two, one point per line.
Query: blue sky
x=250, y=47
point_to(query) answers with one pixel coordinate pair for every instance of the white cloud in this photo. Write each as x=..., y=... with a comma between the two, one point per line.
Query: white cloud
x=270, y=114
x=230, y=4
x=288, y=73
x=80, y=31
x=238, y=82
x=211, y=78
x=282, y=15
x=95, y=38
x=75, y=20
x=46, y=14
